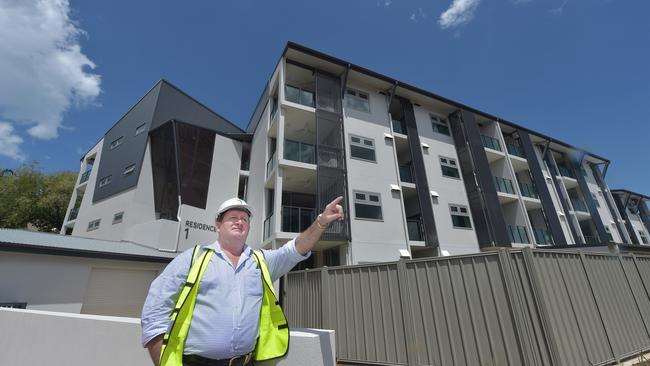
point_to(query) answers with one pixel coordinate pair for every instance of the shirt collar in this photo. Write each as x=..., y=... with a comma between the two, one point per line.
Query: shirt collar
x=216, y=246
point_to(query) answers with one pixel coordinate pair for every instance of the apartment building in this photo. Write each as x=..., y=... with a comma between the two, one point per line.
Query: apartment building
x=633, y=209
x=421, y=175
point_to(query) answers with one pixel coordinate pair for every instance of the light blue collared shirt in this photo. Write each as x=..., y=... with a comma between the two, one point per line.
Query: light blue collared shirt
x=226, y=317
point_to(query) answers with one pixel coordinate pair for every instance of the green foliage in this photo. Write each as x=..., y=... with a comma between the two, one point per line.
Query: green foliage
x=30, y=196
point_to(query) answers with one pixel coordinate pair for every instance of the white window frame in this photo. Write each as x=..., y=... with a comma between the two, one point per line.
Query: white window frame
x=129, y=169
x=448, y=164
x=362, y=144
x=356, y=94
x=93, y=225
x=117, y=142
x=368, y=202
x=140, y=129
x=105, y=181
x=456, y=209
x=437, y=120
x=118, y=217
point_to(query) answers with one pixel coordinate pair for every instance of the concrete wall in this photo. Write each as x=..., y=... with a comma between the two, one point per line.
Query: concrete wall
x=48, y=338
x=63, y=283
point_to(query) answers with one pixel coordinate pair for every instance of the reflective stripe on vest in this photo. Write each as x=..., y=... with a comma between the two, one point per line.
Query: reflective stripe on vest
x=273, y=340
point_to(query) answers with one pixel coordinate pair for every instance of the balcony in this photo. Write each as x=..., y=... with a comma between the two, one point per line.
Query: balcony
x=590, y=239
x=504, y=185
x=73, y=214
x=518, y=234
x=542, y=236
x=299, y=151
x=84, y=177
x=297, y=219
x=399, y=127
x=515, y=149
x=491, y=143
x=528, y=190
x=299, y=96
x=406, y=173
x=565, y=172
x=579, y=205
x=415, y=229
x=268, y=227
x=270, y=165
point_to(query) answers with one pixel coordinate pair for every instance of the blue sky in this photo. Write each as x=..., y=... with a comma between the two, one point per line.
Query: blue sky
x=576, y=70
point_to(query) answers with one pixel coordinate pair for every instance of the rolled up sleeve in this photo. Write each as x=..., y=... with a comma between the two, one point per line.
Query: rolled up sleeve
x=283, y=259
x=162, y=296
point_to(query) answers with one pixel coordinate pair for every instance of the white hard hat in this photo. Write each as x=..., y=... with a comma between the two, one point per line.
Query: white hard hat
x=237, y=203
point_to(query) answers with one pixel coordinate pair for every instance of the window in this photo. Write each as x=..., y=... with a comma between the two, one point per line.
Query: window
x=644, y=240
x=460, y=217
x=367, y=205
x=13, y=305
x=117, y=218
x=595, y=199
x=140, y=129
x=362, y=148
x=439, y=125
x=93, y=225
x=357, y=100
x=105, y=181
x=449, y=167
x=117, y=142
x=129, y=169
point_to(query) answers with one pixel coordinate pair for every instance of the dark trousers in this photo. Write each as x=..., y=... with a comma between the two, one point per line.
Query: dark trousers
x=194, y=360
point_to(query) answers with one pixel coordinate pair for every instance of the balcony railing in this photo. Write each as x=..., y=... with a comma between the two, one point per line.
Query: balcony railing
x=491, y=143
x=579, y=205
x=515, y=149
x=415, y=229
x=542, y=236
x=504, y=185
x=590, y=239
x=73, y=214
x=297, y=219
x=518, y=234
x=270, y=165
x=84, y=177
x=268, y=227
x=399, y=127
x=245, y=165
x=565, y=172
x=299, y=151
x=406, y=173
x=300, y=96
x=528, y=190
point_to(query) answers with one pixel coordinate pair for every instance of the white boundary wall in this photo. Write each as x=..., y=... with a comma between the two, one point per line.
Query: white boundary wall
x=31, y=337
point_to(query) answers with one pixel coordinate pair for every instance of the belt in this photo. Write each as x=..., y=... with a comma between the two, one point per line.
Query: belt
x=195, y=360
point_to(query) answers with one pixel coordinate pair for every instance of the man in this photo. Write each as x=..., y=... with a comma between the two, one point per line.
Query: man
x=211, y=305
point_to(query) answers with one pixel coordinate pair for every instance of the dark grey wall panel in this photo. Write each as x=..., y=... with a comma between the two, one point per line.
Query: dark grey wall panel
x=113, y=161
x=490, y=225
x=611, y=206
x=542, y=189
x=175, y=104
x=421, y=184
x=591, y=205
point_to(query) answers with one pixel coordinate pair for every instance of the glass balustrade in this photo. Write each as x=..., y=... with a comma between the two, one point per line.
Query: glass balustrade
x=579, y=205
x=515, y=149
x=84, y=177
x=399, y=127
x=491, y=143
x=299, y=151
x=270, y=165
x=299, y=96
x=297, y=219
x=504, y=185
x=518, y=234
x=528, y=190
x=542, y=236
x=415, y=230
x=406, y=173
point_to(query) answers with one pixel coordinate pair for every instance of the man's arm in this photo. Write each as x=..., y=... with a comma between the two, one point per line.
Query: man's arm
x=306, y=240
x=154, y=346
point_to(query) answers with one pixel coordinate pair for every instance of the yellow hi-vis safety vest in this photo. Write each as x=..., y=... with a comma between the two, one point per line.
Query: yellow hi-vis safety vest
x=273, y=340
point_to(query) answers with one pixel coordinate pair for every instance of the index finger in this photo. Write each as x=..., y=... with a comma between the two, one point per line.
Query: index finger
x=336, y=201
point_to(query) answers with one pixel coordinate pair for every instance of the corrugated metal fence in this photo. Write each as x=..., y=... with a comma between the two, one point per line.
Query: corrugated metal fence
x=517, y=307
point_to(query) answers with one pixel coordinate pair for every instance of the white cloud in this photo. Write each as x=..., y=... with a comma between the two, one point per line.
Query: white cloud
x=460, y=12
x=387, y=2
x=560, y=9
x=416, y=16
x=43, y=72
x=10, y=142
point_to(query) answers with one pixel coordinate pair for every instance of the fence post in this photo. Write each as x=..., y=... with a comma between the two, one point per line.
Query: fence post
x=326, y=314
x=407, y=316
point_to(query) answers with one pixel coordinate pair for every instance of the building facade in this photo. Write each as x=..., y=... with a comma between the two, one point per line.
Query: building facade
x=421, y=175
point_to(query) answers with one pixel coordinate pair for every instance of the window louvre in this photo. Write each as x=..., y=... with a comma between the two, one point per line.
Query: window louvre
x=362, y=148
x=449, y=167
x=93, y=225
x=117, y=142
x=367, y=205
x=460, y=217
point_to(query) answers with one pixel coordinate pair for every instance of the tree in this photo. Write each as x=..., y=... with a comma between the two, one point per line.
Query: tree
x=31, y=197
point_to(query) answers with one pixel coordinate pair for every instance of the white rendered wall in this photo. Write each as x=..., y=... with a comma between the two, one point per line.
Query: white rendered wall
x=451, y=191
x=60, y=283
x=374, y=241
x=48, y=338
